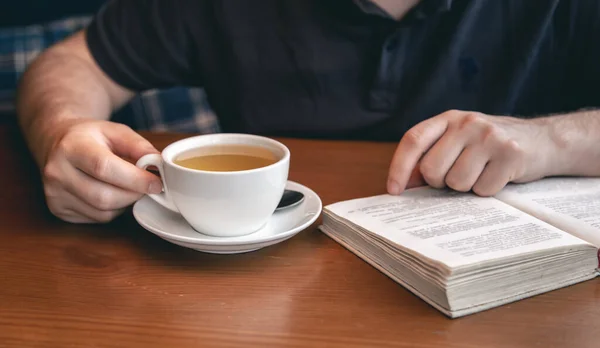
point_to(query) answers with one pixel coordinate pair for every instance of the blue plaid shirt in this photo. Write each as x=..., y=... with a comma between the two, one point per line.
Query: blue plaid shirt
x=177, y=109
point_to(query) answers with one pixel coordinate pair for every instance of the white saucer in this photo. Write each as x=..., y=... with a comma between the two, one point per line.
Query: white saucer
x=283, y=225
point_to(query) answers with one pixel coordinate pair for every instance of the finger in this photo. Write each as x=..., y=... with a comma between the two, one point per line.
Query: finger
x=75, y=218
x=99, y=195
x=439, y=159
x=467, y=168
x=91, y=217
x=75, y=210
x=494, y=177
x=125, y=142
x=99, y=162
x=411, y=148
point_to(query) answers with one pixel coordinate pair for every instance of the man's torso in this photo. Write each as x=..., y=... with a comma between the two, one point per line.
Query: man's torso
x=328, y=69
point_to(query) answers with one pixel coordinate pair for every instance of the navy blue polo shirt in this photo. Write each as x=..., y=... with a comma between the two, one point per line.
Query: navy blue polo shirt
x=28, y=12
x=344, y=69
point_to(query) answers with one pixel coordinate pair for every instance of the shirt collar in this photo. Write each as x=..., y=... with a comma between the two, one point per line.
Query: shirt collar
x=423, y=9
x=369, y=7
x=430, y=7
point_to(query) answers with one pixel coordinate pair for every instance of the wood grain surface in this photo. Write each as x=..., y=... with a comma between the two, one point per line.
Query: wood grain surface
x=117, y=285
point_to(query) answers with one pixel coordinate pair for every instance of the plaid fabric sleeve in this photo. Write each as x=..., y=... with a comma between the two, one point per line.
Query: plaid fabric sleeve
x=177, y=109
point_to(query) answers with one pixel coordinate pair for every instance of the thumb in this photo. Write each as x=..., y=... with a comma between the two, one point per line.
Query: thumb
x=126, y=143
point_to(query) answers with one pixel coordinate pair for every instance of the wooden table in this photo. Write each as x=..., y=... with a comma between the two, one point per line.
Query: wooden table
x=114, y=285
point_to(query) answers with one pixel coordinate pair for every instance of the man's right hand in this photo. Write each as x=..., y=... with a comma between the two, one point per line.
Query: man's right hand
x=88, y=175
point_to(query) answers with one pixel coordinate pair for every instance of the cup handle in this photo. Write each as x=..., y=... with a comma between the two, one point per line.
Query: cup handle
x=163, y=197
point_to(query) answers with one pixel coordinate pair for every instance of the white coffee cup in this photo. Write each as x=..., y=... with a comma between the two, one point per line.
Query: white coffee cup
x=221, y=204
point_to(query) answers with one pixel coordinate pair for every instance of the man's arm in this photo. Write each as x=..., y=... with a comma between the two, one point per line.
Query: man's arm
x=471, y=151
x=63, y=85
x=64, y=102
x=577, y=139
x=69, y=92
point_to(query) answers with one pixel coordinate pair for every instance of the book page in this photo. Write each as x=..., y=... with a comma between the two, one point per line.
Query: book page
x=571, y=204
x=453, y=228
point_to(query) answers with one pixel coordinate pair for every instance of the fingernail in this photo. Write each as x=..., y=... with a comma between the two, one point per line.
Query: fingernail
x=155, y=187
x=393, y=187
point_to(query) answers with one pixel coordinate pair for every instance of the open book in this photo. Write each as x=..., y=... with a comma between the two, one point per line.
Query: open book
x=463, y=253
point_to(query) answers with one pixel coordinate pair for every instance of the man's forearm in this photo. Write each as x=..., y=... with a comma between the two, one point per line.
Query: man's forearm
x=61, y=86
x=577, y=139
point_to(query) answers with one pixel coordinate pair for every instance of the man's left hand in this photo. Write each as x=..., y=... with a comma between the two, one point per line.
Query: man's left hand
x=471, y=151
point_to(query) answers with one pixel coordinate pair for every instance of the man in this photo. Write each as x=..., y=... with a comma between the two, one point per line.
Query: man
x=445, y=78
